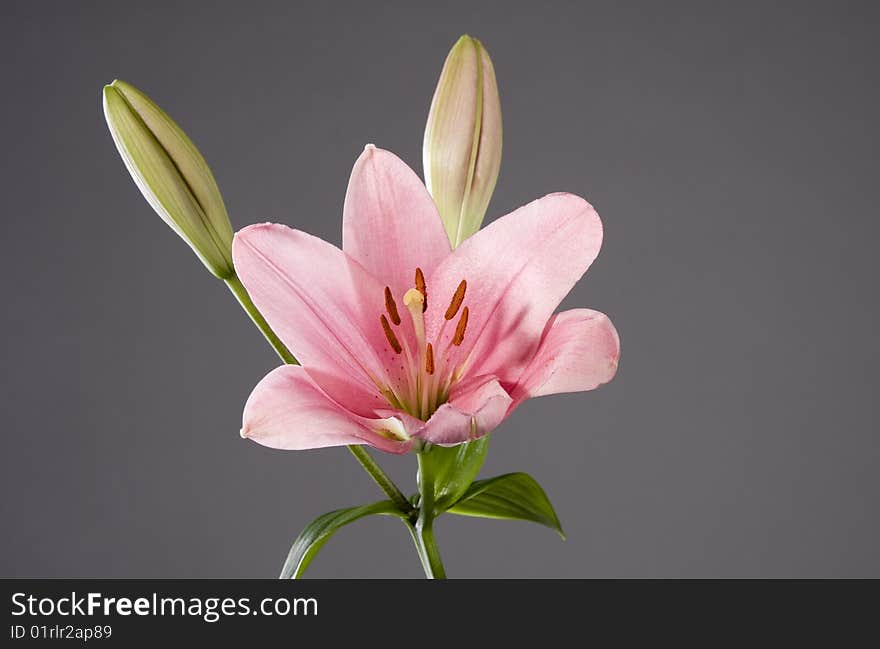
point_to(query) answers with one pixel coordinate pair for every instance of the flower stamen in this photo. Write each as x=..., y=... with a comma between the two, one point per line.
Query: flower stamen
x=457, y=299
x=422, y=288
x=389, y=335
x=429, y=359
x=428, y=377
x=460, y=329
x=391, y=307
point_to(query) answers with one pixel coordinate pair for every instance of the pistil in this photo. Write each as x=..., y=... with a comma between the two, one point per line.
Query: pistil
x=414, y=300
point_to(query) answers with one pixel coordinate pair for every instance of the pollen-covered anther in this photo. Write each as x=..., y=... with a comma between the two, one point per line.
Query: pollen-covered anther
x=457, y=299
x=460, y=329
x=429, y=359
x=391, y=307
x=422, y=288
x=389, y=334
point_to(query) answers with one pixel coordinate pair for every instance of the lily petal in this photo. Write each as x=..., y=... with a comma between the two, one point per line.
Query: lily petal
x=390, y=225
x=476, y=407
x=288, y=410
x=323, y=305
x=579, y=351
x=518, y=269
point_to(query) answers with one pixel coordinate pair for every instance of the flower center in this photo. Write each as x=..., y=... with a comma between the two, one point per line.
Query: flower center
x=429, y=372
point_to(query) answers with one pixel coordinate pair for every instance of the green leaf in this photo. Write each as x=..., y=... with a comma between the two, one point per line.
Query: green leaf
x=515, y=496
x=454, y=468
x=319, y=531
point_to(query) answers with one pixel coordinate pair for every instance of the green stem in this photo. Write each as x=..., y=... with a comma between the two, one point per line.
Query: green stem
x=385, y=483
x=241, y=294
x=423, y=529
x=374, y=470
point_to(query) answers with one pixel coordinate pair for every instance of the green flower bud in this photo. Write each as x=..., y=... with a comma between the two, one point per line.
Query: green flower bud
x=462, y=147
x=171, y=174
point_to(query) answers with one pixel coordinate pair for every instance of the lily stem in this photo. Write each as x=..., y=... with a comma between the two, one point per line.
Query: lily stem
x=385, y=483
x=381, y=478
x=423, y=529
x=241, y=294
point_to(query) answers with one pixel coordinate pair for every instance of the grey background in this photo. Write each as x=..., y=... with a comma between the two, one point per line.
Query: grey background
x=731, y=149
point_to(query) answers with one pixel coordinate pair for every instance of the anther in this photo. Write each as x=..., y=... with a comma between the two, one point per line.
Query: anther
x=429, y=359
x=391, y=307
x=422, y=288
x=389, y=334
x=459, y=330
x=457, y=299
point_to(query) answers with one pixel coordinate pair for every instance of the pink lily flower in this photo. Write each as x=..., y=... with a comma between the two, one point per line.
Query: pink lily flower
x=403, y=340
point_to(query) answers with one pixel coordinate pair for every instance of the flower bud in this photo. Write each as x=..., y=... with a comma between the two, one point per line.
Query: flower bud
x=462, y=147
x=171, y=174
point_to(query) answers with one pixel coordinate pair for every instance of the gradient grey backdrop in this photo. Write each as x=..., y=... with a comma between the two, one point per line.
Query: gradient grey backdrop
x=732, y=152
